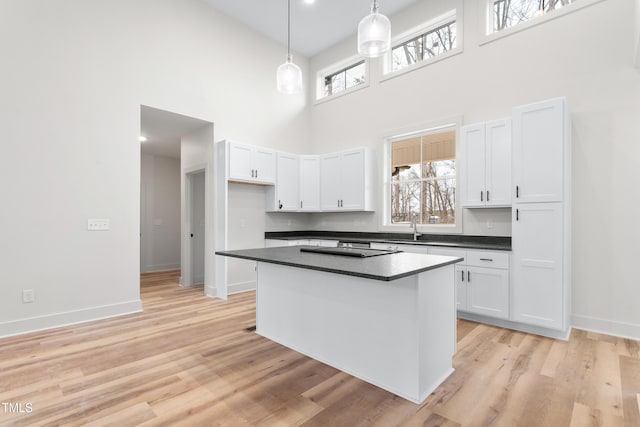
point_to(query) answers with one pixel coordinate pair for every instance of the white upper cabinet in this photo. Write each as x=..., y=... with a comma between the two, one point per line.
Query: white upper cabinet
x=473, y=165
x=539, y=132
x=330, y=171
x=287, y=183
x=248, y=163
x=309, y=183
x=498, y=162
x=347, y=180
x=486, y=164
x=353, y=180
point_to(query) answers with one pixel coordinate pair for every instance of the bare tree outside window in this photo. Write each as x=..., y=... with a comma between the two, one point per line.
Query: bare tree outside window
x=507, y=13
x=432, y=43
x=345, y=79
x=423, y=178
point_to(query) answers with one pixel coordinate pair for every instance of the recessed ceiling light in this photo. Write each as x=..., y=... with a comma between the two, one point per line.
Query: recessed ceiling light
x=309, y=1
x=143, y=139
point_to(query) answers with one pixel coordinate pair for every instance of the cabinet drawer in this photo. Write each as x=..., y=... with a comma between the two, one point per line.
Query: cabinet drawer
x=488, y=259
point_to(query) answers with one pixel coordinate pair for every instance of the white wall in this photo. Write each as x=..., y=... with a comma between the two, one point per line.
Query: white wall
x=637, y=36
x=74, y=75
x=561, y=57
x=160, y=213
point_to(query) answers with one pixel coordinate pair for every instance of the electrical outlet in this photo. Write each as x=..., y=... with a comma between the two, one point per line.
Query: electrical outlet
x=98, y=224
x=28, y=295
x=489, y=223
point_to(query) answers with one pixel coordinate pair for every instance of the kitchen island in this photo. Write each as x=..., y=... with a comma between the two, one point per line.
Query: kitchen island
x=388, y=318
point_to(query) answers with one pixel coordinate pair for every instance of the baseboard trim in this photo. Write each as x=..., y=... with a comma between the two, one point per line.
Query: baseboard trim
x=530, y=329
x=236, y=288
x=211, y=291
x=606, y=326
x=161, y=267
x=67, y=318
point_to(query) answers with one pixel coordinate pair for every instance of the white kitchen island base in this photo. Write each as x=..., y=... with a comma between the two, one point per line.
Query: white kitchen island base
x=399, y=335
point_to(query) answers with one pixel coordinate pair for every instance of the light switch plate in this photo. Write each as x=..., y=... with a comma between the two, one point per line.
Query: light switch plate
x=28, y=295
x=98, y=224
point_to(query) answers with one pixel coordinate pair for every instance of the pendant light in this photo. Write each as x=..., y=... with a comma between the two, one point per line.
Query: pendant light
x=374, y=33
x=289, y=75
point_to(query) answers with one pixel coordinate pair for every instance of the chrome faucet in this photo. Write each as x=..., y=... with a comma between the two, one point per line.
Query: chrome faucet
x=414, y=224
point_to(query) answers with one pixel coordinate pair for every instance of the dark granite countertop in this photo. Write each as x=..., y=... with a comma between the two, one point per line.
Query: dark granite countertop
x=496, y=243
x=384, y=267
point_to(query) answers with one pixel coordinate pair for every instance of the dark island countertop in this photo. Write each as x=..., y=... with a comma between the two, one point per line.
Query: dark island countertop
x=496, y=243
x=384, y=267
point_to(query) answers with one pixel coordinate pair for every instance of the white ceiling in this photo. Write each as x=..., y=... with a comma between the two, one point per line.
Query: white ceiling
x=164, y=129
x=314, y=27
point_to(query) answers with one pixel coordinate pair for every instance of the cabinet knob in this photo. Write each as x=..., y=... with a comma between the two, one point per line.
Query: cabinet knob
x=468, y=276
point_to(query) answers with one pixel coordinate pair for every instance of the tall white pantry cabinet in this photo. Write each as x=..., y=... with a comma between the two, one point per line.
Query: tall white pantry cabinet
x=541, y=226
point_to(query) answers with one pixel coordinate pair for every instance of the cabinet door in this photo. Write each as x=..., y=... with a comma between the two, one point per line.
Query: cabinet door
x=240, y=162
x=538, y=291
x=461, y=288
x=287, y=182
x=352, y=183
x=330, y=182
x=264, y=163
x=538, y=148
x=498, y=163
x=309, y=183
x=473, y=165
x=488, y=291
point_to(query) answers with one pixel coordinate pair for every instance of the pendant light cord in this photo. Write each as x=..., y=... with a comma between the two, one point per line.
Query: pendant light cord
x=289, y=30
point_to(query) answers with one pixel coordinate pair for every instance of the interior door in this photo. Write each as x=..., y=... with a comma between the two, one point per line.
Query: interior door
x=197, y=231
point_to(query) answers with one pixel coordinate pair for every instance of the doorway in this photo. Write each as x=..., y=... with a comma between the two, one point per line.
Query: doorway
x=187, y=144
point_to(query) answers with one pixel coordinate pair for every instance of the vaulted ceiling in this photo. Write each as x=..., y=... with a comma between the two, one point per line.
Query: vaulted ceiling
x=314, y=27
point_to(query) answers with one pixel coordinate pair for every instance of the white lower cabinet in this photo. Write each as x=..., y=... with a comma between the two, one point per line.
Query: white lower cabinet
x=482, y=281
x=487, y=291
x=538, y=269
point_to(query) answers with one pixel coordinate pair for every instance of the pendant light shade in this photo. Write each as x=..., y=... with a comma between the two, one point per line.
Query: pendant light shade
x=289, y=75
x=374, y=33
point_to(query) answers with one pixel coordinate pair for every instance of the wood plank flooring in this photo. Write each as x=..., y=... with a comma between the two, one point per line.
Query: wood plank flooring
x=187, y=361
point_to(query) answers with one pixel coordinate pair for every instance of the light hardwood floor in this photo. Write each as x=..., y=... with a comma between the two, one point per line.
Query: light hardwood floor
x=188, y=361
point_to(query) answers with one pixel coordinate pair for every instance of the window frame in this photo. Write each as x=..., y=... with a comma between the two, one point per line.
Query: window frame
x=486, y=19
x=337, y=68
x=448, y=123
x=416, y=32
